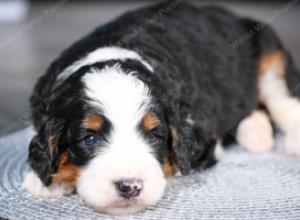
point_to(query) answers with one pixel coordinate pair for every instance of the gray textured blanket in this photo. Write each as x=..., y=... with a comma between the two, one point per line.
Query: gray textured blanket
x=240, y=186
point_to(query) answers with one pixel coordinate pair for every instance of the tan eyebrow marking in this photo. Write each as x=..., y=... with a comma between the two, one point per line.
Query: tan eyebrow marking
x=150, y=121
x=93, y=122
x=169, y=166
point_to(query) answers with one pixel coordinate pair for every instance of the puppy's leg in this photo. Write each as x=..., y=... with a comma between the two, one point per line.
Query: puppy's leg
x=255, y=132
x=275, y=94
x=35, y=187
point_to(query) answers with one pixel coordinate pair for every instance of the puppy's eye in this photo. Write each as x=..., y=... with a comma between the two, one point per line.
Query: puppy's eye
x=154, y=137
x=90, y=139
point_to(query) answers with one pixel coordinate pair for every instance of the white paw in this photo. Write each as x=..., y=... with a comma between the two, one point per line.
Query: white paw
x=255, y=133
x=33, y=185
x=292, y=141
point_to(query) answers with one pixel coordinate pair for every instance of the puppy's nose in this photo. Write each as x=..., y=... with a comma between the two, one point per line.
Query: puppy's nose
x=129, y=188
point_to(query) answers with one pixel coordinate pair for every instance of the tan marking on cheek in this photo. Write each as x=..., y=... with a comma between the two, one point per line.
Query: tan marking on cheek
x=93, y=122
x=272, y=61
x=150, y=121
x=66, y=172
x=169, y=167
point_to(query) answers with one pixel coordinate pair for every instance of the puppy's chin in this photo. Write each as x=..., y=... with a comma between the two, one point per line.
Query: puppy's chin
x=122, y=207
x=96, y=187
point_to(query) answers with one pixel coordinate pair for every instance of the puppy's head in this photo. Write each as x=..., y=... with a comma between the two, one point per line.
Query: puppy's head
x=112, y=138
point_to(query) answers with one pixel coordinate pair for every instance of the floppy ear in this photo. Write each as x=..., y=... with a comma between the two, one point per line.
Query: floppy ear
x=182, y=143
x=43, y=155
x=192, y=142
x=182, y=138
x=193, y=148
x=40, y=160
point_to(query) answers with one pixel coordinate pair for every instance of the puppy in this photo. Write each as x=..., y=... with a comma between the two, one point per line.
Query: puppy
x=150, y=94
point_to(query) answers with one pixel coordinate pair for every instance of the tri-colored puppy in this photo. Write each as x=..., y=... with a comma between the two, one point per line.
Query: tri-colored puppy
x=151, y=93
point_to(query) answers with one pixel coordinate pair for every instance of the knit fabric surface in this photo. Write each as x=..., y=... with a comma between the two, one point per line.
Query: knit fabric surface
x=241, y=186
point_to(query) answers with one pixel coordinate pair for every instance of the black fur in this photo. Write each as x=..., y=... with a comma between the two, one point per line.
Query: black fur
x=197, y=76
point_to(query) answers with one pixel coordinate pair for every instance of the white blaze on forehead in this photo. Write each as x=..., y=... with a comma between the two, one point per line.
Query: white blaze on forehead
x=101, y=55
x=122, y=97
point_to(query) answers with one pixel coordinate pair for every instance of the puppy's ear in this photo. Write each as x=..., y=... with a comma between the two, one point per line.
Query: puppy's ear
x=192, y=144
x=43, y=155
x=40, y=160
x=193, y=148
x=182, y=141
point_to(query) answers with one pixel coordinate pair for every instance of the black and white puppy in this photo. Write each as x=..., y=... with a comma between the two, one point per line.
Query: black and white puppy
x=150, y=94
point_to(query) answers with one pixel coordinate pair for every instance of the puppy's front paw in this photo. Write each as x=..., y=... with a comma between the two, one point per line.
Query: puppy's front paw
x=292, y=141
x=255, y=133
x=35, y=187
